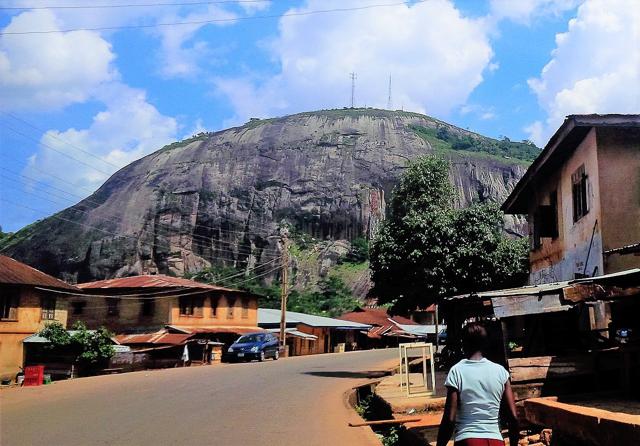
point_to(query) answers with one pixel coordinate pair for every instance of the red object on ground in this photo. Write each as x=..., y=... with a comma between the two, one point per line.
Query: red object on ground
x=33, y=375
x=479, y=442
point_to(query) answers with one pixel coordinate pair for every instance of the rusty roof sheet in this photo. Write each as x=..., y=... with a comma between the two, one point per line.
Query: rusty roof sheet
x=154, y=338
x=216, y=329
x=374, y=316
x=18, y=273
x=151, y=281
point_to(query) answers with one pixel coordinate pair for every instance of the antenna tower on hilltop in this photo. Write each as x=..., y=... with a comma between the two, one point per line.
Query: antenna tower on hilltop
x=389, y=103
x=353, y=87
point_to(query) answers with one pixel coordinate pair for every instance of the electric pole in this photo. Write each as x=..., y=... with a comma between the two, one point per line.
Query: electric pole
x=353, y=88
x=284, y=291
x=389, y=103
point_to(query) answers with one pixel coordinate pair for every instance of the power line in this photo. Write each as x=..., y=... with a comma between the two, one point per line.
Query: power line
x=130, y=236
x=223, y=20
x=210, y=243
x=61, y=140
x=133, y=5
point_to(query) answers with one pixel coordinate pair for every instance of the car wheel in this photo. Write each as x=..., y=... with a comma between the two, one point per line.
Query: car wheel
x=276, y=355
x=261, y=357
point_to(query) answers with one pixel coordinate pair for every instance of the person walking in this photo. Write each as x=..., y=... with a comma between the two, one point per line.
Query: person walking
x=476, y=391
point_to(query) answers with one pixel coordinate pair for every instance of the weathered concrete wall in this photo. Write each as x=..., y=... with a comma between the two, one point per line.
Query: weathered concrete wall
x=237, y=317
x=578, y=247
x=29, y=321
x=619, y=168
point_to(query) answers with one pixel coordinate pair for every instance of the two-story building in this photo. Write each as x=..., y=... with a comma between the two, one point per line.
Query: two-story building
x=29, y=299
x=155, y=303
x=582, y=198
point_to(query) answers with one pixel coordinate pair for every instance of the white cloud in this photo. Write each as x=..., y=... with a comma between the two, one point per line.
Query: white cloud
x=524, y=11
x=435, y=56
x=595, y=67
x=180, y=54
x=50, y=71
x=127, y=129
x=253, y=7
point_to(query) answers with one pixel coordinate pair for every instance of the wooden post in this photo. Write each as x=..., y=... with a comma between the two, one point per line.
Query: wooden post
x=283, y=293
x=437, y=329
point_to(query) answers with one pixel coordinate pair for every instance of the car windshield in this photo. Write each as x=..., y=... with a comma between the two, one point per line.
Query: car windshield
x=249, y=338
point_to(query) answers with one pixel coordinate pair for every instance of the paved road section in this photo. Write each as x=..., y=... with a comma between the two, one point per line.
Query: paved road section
x=293, y=401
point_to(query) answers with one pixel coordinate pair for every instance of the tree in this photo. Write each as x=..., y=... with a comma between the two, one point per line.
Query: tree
x=89, y=348
x=332, y=298
x=426, y=249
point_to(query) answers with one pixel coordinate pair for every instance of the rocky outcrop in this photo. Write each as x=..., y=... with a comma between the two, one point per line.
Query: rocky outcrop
x=219, y=198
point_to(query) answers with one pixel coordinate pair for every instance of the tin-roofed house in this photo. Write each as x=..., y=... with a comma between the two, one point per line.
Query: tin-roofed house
x=153, y=304
x=582, y=199
x=308, y=334
x=29, y=299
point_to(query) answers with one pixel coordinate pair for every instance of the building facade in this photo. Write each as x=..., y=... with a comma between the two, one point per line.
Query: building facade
x=582, y=199
x=147, y=304
x=29, y=299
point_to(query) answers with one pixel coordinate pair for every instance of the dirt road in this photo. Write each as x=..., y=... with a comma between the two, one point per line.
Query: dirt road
x=293, y=401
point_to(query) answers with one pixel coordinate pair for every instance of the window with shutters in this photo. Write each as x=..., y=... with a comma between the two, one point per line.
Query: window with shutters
x=78, y=307
x=245, y=308
x=9, y=303
x=147, y=307
x=191, y=306
x=113, y=306
x=48, y=308
x=215, y=302
x=580, y=193
x=231, y=304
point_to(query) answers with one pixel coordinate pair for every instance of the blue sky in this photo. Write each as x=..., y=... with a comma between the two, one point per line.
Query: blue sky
x=81, y=101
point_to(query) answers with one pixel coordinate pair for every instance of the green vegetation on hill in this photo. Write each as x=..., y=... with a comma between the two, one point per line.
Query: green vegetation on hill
x=443, y=139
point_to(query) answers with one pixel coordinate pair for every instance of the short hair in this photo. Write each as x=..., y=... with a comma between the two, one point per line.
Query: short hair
x=474, y=338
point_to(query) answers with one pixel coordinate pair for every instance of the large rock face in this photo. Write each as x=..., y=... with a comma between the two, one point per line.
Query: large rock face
x=219, y=197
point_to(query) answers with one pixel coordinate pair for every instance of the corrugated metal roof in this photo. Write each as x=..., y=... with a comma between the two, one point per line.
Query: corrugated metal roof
x=17, y=273
x=151, y=281
x=374, y=316
x=154, y=338
x=37, y=339
x=268, y=316
x=215, y=329
x=294, y=332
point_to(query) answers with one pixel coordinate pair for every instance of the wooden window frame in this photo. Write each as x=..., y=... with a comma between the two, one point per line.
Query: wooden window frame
x=580, y=193
x=215, y=304
x=9, y=304
x=77, y=307
x=48, y=308
x=113, y=306
x=147, y=307
x=191, y=306
x=245, y=308
x=231, y=304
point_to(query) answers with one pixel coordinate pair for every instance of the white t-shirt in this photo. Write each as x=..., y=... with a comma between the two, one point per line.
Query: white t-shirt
x=480, y=384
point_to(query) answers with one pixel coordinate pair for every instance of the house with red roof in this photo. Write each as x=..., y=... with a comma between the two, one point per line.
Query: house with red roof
x=29, y=299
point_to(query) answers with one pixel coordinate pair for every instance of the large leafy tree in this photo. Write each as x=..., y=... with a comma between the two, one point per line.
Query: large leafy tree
x=90, y=348
x=426, y=249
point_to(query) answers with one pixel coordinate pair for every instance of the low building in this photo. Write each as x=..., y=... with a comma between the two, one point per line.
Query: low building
x=386, y=330
x=155, y=304
x=582, y=201
x=312, y=334
x=29, y=299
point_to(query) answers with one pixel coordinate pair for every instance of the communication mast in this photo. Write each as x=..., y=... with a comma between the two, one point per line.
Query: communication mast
x=353, y=88
x=389, y=103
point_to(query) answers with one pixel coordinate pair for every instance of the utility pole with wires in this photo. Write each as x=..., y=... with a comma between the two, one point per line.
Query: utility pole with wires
x=353, y=88
x=389, y=103
x=284, y=234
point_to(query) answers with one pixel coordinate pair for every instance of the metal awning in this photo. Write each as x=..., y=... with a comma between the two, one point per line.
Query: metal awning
x=294, y=332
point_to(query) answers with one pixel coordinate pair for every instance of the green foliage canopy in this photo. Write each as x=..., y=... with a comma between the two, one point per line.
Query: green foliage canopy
x=426, y=249
x=88, y=347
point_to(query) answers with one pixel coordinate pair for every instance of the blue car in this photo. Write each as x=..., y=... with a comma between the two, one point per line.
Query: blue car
x=252, y=346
